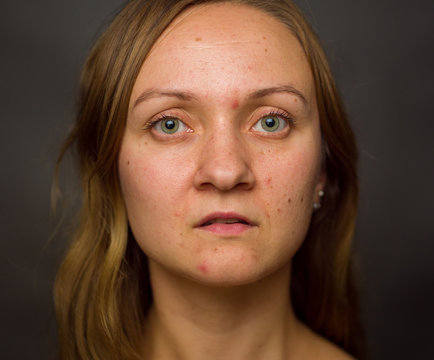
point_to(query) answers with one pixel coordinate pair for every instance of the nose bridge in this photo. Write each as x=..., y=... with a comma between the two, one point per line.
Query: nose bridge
x=225, y=161
x=223, y=143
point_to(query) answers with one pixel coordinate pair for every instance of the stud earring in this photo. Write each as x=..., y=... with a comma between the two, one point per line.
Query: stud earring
x=317, y=205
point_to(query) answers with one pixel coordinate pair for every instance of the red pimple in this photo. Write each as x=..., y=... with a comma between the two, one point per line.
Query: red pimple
x=235, y=104
x=203, y=268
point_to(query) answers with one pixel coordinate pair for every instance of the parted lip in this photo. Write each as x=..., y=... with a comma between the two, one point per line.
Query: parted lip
x=216, y=216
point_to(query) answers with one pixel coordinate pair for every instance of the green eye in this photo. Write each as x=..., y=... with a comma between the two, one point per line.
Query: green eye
x=170, y=125
x=270, y=123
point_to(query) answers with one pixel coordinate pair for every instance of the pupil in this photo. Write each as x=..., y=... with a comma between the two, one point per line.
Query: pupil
x=170, y=124
x=270, y=122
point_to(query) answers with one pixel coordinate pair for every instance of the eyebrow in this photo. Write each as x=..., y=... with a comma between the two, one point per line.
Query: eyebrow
x=278, y=89
x=152, y=93
x=188, y=96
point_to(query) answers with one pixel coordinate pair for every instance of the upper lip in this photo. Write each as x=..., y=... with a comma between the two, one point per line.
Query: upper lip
x=224, y=215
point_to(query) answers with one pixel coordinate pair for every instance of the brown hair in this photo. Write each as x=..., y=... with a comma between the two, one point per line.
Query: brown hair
x=102, y=291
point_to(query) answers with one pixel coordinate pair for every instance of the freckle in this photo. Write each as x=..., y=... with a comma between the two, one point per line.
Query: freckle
x=216, y=250
x=302, y=199
x=278, y=210
x=264, y=38
x=128, y=162
x=198, y=39
x=235, y=104
x=289, y=200
x=266, y=50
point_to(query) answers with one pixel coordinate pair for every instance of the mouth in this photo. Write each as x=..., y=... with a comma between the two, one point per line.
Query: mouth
x=224, y=218
x=225, y=223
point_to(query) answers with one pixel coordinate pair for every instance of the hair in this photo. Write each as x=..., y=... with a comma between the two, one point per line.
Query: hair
x=102, y=291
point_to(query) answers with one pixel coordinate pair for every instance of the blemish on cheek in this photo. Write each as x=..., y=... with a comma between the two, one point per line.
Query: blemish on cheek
x=235, y=104
x=268, y=180
x=264, y=38
x=302, y=199
x=198, y=39
x=203, y=268
x=266, y=50
x=289, y=200
x=128, y=162
x=278, y=210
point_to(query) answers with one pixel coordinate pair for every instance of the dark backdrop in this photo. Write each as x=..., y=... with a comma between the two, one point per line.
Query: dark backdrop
x=382, y=56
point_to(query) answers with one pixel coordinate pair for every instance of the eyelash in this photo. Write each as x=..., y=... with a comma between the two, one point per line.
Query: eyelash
x=281, y=114
x=278, y=113
x=151, y=123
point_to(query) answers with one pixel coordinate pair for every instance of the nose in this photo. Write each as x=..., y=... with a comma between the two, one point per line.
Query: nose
x=225, y=163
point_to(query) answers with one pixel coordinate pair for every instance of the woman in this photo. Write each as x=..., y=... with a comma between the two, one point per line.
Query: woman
x=220, y=191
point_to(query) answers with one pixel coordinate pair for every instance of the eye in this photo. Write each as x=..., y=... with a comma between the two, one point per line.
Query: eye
x=169, y=125
x=272, y=123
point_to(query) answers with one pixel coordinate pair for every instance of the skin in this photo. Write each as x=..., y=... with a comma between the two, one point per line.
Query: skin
x=210, y=288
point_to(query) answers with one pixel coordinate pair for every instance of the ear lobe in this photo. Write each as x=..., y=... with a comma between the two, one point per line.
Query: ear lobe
x=322, y=181
x=319, y=190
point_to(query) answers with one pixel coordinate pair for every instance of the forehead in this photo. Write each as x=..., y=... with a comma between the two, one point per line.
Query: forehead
x=215, y=43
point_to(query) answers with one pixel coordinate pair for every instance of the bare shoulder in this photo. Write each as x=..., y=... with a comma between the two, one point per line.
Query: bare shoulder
x=319, y=348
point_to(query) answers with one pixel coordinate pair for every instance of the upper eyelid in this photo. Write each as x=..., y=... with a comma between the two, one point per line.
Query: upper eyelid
x=278, y=112
x=160, y=117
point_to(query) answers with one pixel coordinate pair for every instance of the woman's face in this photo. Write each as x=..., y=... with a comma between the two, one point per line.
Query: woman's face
x=220, y=162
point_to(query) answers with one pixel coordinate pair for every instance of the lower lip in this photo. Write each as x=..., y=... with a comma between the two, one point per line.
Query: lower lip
x=226, y=229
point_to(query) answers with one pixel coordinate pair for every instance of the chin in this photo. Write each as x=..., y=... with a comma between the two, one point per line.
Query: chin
x=238, y=271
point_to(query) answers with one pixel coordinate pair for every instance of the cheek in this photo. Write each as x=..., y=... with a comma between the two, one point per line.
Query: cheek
x=149, y=177
x=152, y=187
x=288, y=188
x=291, y=176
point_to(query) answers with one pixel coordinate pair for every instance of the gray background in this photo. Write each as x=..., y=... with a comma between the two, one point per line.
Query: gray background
x=382, y=55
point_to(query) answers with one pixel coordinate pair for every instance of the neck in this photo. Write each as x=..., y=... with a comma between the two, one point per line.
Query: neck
x=189, y=319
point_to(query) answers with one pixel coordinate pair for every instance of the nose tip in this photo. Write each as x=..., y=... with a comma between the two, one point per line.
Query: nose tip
x=224, y=166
